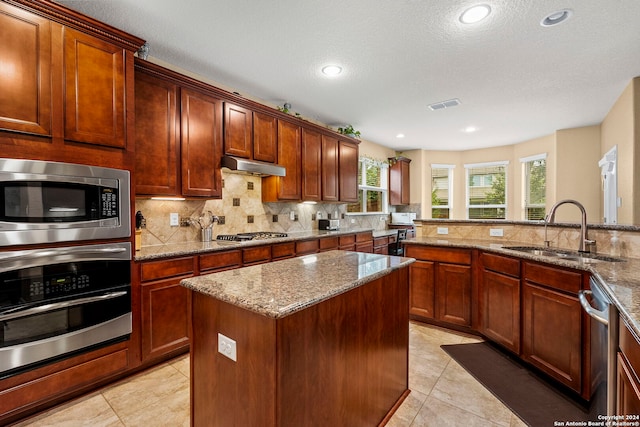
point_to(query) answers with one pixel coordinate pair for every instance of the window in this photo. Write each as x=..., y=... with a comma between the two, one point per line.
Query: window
x=486, y=190
x=373, y=192
x=535, y=186
x=441, y=189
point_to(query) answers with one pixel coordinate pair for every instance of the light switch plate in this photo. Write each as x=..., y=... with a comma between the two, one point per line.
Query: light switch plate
x=227, y=347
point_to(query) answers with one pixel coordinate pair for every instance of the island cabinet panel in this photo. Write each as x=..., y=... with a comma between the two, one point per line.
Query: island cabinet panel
x=25, y=93
x=628, y=363
x=265, y=137
x=335, y=363
x=201, y=148
x=348, y=171
x=304, y=247
x=165, y=306
x=441, y=284
x=94, y=91
x=500, y=300
x=330, y=176
x=238, y=126
x=311, y=165
x=289, y=187
x=157, y=135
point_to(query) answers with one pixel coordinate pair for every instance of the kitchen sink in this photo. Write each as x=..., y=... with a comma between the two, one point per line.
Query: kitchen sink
x=564, y=254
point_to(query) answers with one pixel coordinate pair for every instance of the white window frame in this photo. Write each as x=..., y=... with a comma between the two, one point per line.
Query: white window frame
x=526, y=193
x=449, y=189
x=469, y=166
x=384, y=188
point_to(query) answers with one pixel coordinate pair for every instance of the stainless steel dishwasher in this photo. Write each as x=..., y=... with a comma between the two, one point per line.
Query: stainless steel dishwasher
x=604, y=345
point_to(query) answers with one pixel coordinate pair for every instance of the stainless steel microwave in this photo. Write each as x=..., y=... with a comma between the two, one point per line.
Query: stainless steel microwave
x=43, y=202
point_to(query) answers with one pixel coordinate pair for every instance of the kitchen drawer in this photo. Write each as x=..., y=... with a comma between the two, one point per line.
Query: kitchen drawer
x=256, y=255
x=500, y=264
x=220, y=260
x=304, y=247
x=329, y=243
x=629, y=346
x=381, y=241
x=153, y=270
x=439, y=254
x=364, y=237
x=557, y=278
x=393, y=238
x=283, y=250
x=347, y=240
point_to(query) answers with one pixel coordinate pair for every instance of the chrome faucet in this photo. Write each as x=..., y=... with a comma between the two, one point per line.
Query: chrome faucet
x=584, y=238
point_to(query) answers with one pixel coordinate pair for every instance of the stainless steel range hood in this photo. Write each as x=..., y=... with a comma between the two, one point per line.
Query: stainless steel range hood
x=252, y=166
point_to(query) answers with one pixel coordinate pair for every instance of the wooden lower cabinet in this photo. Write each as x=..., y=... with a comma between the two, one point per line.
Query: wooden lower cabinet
x=499, y=303
x=165, y=306
x=552, y=333
x=441, y=284
x=628, y=367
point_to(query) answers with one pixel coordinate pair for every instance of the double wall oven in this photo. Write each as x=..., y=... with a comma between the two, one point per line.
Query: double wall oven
x=68, y=287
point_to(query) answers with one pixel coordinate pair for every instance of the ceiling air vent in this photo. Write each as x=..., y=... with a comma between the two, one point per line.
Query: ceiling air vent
x=444, y=104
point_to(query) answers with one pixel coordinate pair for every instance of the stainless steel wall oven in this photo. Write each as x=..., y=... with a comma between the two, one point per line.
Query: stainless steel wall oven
x=55, y=302
x=42, y=202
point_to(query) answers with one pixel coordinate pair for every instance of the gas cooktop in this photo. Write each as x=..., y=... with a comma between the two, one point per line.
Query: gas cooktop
x=258, y=235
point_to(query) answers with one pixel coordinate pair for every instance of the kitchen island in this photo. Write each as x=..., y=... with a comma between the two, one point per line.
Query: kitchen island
x=319, y=340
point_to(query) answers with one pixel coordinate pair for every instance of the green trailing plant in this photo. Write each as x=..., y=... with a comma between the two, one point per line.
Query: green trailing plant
x=349, y=131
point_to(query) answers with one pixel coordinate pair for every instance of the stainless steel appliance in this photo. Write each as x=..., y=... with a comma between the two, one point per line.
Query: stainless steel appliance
x=604, y=346
x=328, y=224
x=42, y=202
x=258, y=235
x=55, y=302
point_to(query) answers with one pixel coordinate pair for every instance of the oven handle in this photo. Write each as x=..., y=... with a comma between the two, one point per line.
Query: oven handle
x=600, y=316
x=39, y=257
x=22, y=312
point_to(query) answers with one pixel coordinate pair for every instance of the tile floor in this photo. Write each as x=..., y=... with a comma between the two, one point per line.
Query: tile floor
x=442, y=394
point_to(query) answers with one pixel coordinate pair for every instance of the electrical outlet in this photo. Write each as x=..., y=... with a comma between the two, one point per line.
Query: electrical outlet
x=496, y=232
x=227, y=347
x=443, y=230
x=174, y=219
x=292, y=215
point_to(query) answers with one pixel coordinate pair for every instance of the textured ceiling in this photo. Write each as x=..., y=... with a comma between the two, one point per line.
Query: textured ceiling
x=516, y=80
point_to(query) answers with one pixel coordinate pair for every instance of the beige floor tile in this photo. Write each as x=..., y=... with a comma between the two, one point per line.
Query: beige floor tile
x=169, y=411
x=145, y=390
x=517, y=422
x=181, y=363
x=405, y=414
x=436, y=413
x=458, y=388
x=92, y=410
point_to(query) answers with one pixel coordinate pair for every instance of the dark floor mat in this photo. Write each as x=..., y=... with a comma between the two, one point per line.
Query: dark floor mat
x=537, y=402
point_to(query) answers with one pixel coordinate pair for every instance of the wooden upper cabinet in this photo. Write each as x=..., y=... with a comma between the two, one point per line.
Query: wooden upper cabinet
x=289, y=187
x=201, y=148
x=25, y=83
x=330, y=169
x=238, y=126
x=265, y=137
x=157, y=136
x=94, y=90
x=399, y=190
x=348, y=171
x=311, y=165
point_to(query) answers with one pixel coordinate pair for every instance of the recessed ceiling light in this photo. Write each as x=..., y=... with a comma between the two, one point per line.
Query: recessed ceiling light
x=556, y=17
x=331, y=70
x=475, y=14
x=470, y=129
x=400, y=135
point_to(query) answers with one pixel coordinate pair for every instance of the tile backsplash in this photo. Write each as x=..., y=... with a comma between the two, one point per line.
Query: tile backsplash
x=243, y=211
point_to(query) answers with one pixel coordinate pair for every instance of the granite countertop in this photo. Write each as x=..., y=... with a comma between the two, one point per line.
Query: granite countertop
x=280, y=288
x=620, y=280
x=191, y=248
